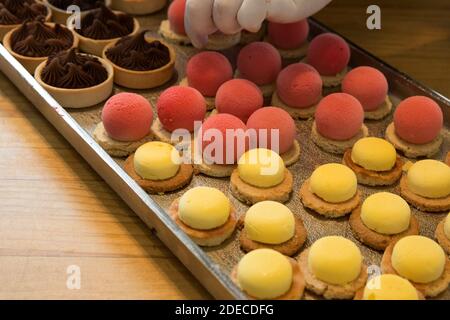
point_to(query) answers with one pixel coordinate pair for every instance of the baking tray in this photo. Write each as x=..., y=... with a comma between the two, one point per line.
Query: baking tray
x=212, y=266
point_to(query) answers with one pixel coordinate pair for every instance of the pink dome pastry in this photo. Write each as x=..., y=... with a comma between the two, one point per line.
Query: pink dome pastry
x=339, y=116
x=207, y=71
x=239, y=97
x=259, y=62
x=179, y=107
x=288, y=35
x=329, y=54
x=175, y=13
x=418, y=120
x=273, y=118
x=127, y=117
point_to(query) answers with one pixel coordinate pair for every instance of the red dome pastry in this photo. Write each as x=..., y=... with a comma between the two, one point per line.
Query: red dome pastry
x=273, y=118
x=175, y=14
x=418, y=120
x=288, y=35
x=299, y=86
x=207, y=71
x=127, y=117
x=259, y=62
x=179, y=107
x=239, y=97
x=339, y=116
x=223, y=123
x=368, y=85
x=329, y=54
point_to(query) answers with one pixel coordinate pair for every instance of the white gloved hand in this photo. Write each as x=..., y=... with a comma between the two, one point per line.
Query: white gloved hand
x=204, y=17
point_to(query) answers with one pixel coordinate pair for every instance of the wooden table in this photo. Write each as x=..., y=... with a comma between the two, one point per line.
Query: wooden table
x=56, y=212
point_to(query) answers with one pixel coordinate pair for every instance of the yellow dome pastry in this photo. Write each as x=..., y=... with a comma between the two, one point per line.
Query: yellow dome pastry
x=205, y=214
x=331, y=190
x=374, y=161
x=261, y=175
x=157, y=168
x=426, y=185
x=267, y=274
x=420, y=260
x=333, y=267
x=382, y=218
x=270, y=224
x=442, y=234
x=388, y=287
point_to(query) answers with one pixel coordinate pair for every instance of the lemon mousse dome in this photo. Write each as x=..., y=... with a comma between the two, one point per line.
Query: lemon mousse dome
x=261, y=168
x=389, y=287
x=204, y=208
x=386, y=213
x=269, y=222
x=265, y=274
x=418, y=259
x=157, y=161
x=333, y=183
x=374, y=154
x=335, y=260
x=429, y=178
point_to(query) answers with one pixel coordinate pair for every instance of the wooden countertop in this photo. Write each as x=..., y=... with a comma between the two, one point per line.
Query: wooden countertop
x=56, y=212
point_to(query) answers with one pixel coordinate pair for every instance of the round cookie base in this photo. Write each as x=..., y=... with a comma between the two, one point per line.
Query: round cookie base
x=336, y=80
x=411, y=150
x=381, y=111
x=249, y=37
x=447, y=158
x=422, y=203
x=442, y=238
x=163, y=135
x=166, y=32
x=267, y=90
x=209, y=169
x=431, y=289
x=324, y=208
x=373, y=239
x=210, y=101
x=296, y=113
x=250, y=195
x=292, y=155
x=290, y=54
x=327, y=290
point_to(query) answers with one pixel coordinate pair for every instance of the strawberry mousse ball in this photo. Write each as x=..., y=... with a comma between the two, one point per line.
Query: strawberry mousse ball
x=239, y=97
x=267, y=119
x=339, y=116
x=207, y=71
x=288, y=36
x=127, y=117
x=176, y=16
x=418, y=120
x=179, y=107
x=259, y=62
x=227, y=148
x=368, y=85
x=329, y=54
x=299, y=86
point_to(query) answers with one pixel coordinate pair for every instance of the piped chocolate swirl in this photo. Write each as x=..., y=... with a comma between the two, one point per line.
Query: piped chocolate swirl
x=103, y=23
x=136, y=53
x=72, y=70
x=82, y=4
x=16, y=12
x=38, y=39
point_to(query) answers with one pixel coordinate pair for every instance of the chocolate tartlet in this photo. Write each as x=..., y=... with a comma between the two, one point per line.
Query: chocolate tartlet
x=34, y=41
x=76, y=80
x=138, y=7
x=140, y=62
x=59, y=8
x=101, y=26
x=13, y=13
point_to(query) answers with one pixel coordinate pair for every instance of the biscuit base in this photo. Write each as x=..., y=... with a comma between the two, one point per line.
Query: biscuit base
x=166, y=32
x=209, y=169
x=249, y=37
x=294, y=293
x=292, y=155
x=371, y=177
x=250, y=195
x=336, y=146
x=117, y=148
x=375, y=240
x=290, y=54
x=431, y=289
x=411, y=150
x=381, y=111
x=267, y=90
x=162, y=134
x=205, y=238
x=327, y=290
x=422, y=203
x=442, y=238
x=181, y=179
x=447, y=159
x=324, y=208
x=296, y=113
x=210, y=101
x=288, y=248
x=334, y=81
x=360, y=295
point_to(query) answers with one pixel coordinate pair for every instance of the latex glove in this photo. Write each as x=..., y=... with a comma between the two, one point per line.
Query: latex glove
x=204, y=17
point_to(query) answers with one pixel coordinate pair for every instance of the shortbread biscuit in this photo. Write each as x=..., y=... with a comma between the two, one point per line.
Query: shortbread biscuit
x=296, y=113
x=291, y=54
x=447, y=159
x=422, y=203
x=266, y=90
x=292, y=155
x=210, y=101
x=382, y=111
x=334, y=81
x=442, y=238
x=166, y=32
x=249, y=37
